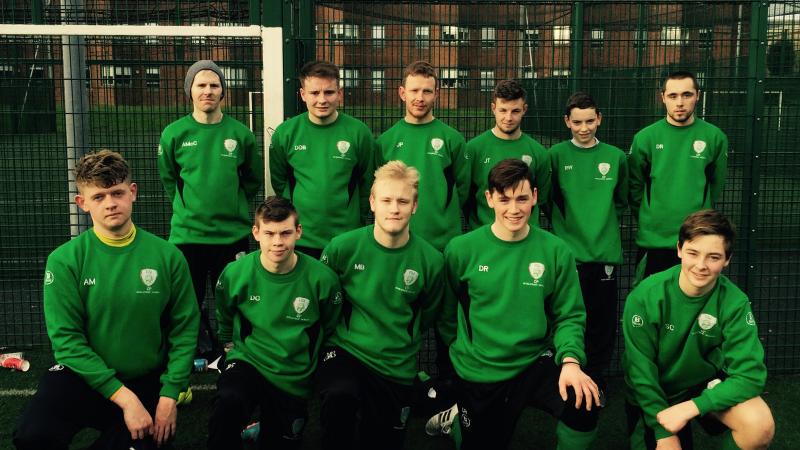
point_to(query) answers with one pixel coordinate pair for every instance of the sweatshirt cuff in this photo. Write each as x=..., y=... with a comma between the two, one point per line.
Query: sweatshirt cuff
x=109, y=388
x=561, y=354
x=703, y=403
x=660, y=432
x=171, y=391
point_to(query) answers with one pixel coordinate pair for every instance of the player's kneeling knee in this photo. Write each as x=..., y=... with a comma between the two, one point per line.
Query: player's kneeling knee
x=756, y=430
x=578, y=419
x=33, y=437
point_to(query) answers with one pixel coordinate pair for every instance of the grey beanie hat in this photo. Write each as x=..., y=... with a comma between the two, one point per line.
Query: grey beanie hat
x=203, y=64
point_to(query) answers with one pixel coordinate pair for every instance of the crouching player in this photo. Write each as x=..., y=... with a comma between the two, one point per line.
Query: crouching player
x=122, y=318
x=514, y=318
x=393, y=283
x=692, y=349
x=276, y=307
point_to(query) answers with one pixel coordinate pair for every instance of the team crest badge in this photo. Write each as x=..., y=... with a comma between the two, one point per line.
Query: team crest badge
x=49, y=277
x=698, y=147
x=410, y=277
x=148, y=277
x=536, y=270
x=527, y=159
x=437, y=144
x=300, y=305
x=637, y=321
x=750, y=319
x=604, y=168
x=706, y=321
x=230, y=146
x=343, y=147
x=160, y=150
x=609, y=270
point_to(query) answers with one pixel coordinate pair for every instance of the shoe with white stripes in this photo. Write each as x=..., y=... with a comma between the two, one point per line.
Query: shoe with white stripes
x=442, y=422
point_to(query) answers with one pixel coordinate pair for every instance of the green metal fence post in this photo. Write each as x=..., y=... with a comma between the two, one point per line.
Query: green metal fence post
x=576, y=46
x=37, y=15
x=278, y=13
x=756, y=73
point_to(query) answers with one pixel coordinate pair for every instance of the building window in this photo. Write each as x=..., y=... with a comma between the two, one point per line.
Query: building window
x=598, y=38
x=151, y=39
x=349, y=77
x=378, y=36
x=488, y=37
x=116, y=76
x=487, y=80
x=705, y=36
x=341, y=32
x=377, y=80
x=197, y=40
x=422, y=35
x=452, y=34
x=152, y=77
x=6, y=71
x=531, y=38
x=453, y=78
x=561, y=72
x=235, y=76
x=639, y=38
x=701, y=79
x=561, y=34
x=672, y=35
x=528, y=74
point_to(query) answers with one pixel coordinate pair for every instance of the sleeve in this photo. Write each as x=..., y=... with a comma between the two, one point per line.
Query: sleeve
x=278, y=165
x=184, y=324
x=433, y=295
x=167, y=166
x=621, y=190
x=638, y=172
x=470, y=207
x=462, y=169
x=65, y=316
x=744, y=363
x=555, y=198
x=640, y=332
x=366, y=166
x=251, y=172
x=380, y=159
x=542, y=176
x=227, y=303
x=567, y=310
x=447, y=322
x=330, y=308
x=719, y=169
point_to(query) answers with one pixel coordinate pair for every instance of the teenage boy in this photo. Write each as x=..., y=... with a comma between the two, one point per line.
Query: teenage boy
x=323, y=160
x=692, y=348
x=436, y=150
x=505, y=140
x=589, y=196
x=275, y=307
x=677, y=166
x=514, y=318
x=122, y=319
x=393, y=283
x=211, y=169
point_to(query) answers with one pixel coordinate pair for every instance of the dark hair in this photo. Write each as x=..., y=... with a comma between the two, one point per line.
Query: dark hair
x=509, y=90
x=420, y=68
x=104, y=168
x=509, y=173
x=580, y=100
x=318, y=69
x=707, y=222
x=680, y=75
x=276, y=209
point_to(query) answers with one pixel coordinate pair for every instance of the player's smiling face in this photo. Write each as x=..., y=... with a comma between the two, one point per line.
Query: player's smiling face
x=393, y=202
x=680, y=98
x=110, y=208
x=512, y=209
x=206, y=91
x=321, y=96
x=419, y=94
x=508, y=114
x=583, y=124
x=277, y=239
x=702, y=261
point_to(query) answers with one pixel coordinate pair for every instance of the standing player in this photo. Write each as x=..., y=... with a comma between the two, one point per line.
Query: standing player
x=514, y=316
x=211, y=169
x=276, y=307
x=677, y=166
x=505, y=140
x=323, y=161
x=590, y=193
x=122, y=319
x=393, y=284
x=436, y=150
x=692, y=348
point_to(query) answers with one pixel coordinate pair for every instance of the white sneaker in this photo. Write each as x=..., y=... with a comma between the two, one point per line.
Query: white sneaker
x=442, y=422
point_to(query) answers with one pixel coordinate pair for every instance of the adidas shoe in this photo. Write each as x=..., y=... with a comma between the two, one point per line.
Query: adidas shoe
x=442, y=422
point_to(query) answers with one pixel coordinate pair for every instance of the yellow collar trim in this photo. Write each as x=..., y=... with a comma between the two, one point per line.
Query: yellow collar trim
x=117, y=242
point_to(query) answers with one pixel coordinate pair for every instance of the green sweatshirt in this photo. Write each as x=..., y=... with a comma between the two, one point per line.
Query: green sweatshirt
x=674, y=171
x=327, y=172
x=674, y=342
x=390, y=297
x=277, y=322
x=483, y=153
x=114, y=314
x=437, y=151
x=508, y=303
x=590, y=192
x=211, y=174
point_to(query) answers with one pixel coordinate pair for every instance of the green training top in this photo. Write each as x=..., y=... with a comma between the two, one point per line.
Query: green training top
x=674, y=342
x=211, y=173
x=674, y=171
x=114, y=314
x=327, y=172
x=437, y=151
x=390, y=297
x=508, y=303
x=483, y=153
x=590, y=192
x=277, y=322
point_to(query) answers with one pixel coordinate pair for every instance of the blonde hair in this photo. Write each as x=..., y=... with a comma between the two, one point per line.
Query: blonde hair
x=397, y=170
